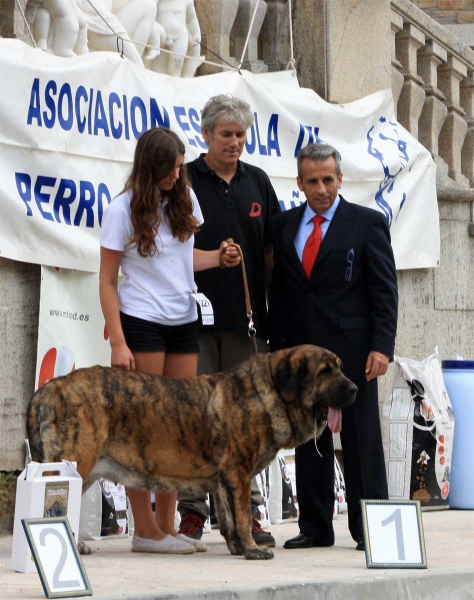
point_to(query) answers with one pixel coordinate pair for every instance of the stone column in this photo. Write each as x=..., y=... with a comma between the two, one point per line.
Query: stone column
x=7, y=10
x=358, y=48
x=19, y=307
x=454, y=129
x=434, y=110
x=467, y=103
x=397, y=75
x=309, y=23
x=240, y=31
x=12, y=24
x=216, y=18
x=408, y=41
x=276, y=35
x=342, y=47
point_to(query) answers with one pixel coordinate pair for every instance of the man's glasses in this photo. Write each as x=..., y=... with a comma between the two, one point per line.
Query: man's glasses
x=350, y=260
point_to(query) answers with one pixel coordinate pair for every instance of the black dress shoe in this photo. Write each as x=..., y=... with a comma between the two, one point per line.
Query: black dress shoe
x=360, y=544
x=305, y=541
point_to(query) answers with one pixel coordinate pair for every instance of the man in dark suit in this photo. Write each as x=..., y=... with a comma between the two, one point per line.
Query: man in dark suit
x=334, y=284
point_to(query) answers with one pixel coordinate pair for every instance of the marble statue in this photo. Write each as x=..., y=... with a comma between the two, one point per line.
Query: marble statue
x=59, y=27
x=130, y=19
x=70, y=27
x=182, y=35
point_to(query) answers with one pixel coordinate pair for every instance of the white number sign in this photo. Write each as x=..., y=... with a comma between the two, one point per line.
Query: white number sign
x=56, y=556
x=207, y=312
x=393, y=533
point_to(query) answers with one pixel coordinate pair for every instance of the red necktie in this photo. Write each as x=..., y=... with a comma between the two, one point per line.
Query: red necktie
x=311, y=248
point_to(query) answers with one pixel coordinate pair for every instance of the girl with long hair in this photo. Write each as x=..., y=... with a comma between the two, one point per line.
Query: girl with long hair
x=152, y=319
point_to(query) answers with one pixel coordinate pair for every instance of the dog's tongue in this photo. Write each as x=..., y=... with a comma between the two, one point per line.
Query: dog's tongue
x=335, y=419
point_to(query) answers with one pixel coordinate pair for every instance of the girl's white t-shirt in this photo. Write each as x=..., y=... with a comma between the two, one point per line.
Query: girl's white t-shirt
x=156, y=288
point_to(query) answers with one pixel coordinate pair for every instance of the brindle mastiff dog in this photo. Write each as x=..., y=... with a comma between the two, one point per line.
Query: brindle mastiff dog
x=206, y=434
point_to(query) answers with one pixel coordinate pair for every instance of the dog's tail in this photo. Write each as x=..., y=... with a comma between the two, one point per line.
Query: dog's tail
x=40, y=417
x=33, y=429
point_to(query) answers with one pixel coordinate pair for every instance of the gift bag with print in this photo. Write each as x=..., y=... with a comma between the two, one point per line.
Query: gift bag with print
x=417, y=430
x=104, y=511
x=283, y=504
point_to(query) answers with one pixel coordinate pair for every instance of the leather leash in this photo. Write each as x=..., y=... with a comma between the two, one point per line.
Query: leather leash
x=252, y=332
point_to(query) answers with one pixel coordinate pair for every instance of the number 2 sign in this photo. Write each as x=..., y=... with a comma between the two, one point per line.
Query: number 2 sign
x=393, y=533
x=56, y=556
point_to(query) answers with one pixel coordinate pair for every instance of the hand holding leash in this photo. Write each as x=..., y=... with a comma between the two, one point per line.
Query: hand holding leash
x=230, y=254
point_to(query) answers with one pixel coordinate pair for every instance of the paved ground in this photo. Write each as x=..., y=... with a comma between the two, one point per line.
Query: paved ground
x=337, y=573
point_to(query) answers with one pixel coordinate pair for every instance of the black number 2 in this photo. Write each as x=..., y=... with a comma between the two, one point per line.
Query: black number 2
x=397, y=517
x=62, y=559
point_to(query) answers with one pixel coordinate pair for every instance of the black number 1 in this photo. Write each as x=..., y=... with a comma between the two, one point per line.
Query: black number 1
x=397, y=517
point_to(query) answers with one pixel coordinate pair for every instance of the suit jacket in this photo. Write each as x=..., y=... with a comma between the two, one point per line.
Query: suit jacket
x=349, y=305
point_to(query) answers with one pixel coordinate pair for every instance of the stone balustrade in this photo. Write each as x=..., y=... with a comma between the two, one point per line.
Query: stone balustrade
x=433, y=90
x=225, y=25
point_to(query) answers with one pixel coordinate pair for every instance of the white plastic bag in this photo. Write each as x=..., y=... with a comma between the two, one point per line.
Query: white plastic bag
x=104, y=511
x=417, y=432
x=263, y=481
x=340, y=502
x=283, y=504
x=283, y=501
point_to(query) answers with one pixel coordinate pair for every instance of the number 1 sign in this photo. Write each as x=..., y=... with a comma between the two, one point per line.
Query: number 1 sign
x=56, y=556
x=393, y=533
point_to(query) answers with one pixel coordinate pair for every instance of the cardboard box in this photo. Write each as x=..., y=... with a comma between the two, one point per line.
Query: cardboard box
x=44, y=490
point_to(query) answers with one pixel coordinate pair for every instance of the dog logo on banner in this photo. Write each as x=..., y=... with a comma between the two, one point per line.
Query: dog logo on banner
x=379, y=138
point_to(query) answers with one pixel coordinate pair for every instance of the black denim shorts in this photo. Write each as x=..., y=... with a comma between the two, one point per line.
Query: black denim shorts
x=146, y=336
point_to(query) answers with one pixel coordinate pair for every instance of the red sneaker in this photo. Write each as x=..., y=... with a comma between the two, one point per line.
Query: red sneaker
x=191, y=525
x=262, y=538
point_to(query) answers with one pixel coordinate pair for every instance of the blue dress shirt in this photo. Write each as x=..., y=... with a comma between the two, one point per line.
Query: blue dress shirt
x=306, y=225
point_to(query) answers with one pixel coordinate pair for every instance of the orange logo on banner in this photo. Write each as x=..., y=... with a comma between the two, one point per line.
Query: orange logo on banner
x=56, y=363
x=256, y=210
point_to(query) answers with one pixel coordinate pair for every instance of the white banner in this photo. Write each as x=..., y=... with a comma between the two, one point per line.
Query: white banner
x=71, y=332
x=69, y=127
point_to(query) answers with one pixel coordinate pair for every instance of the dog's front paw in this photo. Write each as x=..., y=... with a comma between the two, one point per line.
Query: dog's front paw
x=261, y=553
x=83, y=548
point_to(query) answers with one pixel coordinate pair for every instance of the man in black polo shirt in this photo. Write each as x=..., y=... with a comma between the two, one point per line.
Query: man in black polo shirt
x=237, y=201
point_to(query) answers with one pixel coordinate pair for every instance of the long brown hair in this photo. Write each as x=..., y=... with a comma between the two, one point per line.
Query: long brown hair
x=155, y=157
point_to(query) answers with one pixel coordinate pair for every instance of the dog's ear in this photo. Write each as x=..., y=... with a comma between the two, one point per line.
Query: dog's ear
x=290, y=372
